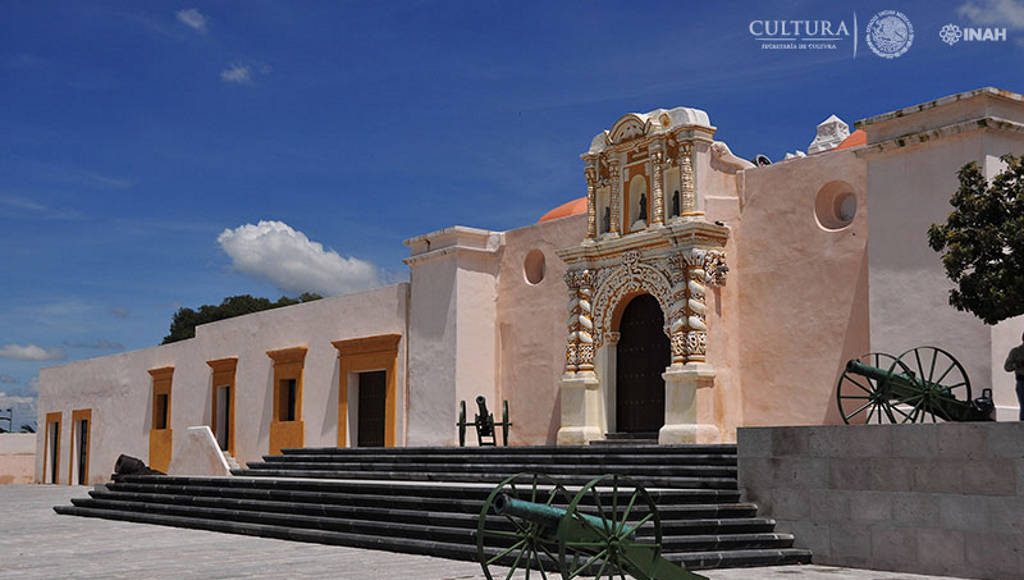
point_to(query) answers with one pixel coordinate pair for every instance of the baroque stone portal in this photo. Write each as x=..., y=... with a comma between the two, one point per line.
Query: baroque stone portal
x=640, y=250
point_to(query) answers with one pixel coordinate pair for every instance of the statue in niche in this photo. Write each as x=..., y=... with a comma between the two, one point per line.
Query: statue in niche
x=643, y=207
x=606, y=221
x=675, y=203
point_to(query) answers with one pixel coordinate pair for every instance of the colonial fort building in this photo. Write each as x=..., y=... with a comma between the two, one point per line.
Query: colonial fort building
x=688, y=293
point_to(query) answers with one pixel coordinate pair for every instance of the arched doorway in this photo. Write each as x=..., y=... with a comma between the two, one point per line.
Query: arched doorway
x=642, y=354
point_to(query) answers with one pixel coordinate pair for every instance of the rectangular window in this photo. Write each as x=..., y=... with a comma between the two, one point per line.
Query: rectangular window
x=288, y=394
x=160, y=411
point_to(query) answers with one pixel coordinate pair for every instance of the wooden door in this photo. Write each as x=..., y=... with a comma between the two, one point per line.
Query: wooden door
x=642, y=354
x=372, y=402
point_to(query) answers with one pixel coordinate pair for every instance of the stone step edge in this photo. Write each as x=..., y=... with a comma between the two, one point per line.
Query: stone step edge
x=437, y=549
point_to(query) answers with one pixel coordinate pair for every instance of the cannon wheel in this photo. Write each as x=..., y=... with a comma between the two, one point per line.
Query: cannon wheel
x=860, y=398
x=462, y=423
x=504, y=422
x=624, y=507
x=937, y=367
x=508, y=541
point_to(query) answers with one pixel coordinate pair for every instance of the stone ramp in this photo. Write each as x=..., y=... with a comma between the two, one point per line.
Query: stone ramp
x=427, y=501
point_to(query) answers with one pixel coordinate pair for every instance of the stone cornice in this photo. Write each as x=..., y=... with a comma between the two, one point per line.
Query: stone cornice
x=679, y=232
x=456, y=239
x=907, y=111
x=986, y=123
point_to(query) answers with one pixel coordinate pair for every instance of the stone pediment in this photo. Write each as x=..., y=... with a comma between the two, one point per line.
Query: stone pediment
x=635, y=126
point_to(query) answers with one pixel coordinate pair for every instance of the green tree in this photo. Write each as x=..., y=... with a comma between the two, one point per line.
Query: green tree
x=185, y=320
x=982, y=242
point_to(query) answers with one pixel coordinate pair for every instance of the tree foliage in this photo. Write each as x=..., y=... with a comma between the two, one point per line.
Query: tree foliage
x=183, y=325
x=982, y=242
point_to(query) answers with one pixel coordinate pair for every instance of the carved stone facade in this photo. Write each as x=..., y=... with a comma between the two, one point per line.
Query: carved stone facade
x=673, y=256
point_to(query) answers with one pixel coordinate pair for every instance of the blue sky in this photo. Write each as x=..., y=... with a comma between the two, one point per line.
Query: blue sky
x=135, y=134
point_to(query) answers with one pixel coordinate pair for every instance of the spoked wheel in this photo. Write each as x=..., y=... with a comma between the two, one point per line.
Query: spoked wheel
x=941, y=376
x=864, y=399
x=504, y=540
x=618, y=516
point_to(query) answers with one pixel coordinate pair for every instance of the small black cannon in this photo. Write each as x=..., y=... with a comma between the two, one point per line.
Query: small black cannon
x=923, y=382
x=609, y=529
x=484, y=424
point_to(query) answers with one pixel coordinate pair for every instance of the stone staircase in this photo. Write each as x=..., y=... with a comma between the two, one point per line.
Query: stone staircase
x=427, y=500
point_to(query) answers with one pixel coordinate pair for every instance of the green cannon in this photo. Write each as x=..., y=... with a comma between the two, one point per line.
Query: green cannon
x=609, y=529
x=922, y=383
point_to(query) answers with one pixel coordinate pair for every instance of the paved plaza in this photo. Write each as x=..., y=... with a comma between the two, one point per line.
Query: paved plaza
x=36, y=543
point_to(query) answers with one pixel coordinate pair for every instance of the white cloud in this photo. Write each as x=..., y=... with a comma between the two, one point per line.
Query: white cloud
x=8, y=401
x=193, y=19
x=30, y=352
x=1002, y=13
x=275, y=252
x=236, y=73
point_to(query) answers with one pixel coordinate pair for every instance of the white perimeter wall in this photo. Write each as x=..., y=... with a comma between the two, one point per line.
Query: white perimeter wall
x=118, y=388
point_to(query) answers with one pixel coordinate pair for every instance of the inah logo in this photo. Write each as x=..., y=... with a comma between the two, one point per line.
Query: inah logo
x=950, y=34
x=890, y=34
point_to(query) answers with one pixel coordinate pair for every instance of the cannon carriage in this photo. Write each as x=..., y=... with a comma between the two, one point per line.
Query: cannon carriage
x=609, y=528
x=922, y=384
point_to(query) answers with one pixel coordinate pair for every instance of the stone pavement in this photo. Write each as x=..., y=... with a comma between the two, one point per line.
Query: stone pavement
x=36, y=543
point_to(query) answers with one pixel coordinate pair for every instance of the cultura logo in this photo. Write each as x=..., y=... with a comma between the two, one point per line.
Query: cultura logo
x=950, y=34
x=889, y=34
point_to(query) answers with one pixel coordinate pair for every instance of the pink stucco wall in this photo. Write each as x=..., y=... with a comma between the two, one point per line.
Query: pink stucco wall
x=803, y=291
x=531, y=328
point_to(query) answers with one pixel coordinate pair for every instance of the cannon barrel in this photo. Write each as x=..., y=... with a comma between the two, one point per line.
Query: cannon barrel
x=481, y=404
x=881, y=375
x=538, y=513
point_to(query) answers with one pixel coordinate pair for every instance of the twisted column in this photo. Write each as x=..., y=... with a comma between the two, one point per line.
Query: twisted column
x=579, y=347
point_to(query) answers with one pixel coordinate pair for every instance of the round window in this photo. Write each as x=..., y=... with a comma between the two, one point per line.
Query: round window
x=533, y=266
x=835, y=205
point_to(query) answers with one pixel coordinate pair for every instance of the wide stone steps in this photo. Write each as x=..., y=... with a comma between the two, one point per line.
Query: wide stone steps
x=692, y=560
x=428, y=501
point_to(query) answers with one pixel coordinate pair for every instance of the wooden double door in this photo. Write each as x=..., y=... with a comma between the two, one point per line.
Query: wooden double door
x=642, y=354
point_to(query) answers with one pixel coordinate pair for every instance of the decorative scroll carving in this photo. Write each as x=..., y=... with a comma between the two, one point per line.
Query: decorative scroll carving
x=715, y=269
x=633, y=275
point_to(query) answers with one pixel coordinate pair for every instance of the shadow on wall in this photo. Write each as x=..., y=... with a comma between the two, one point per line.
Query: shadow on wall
x=330, y=424
x=857, y=340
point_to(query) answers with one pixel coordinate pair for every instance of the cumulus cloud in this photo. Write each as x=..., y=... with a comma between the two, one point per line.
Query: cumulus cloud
x=193, y=19
x=30, y=352
x=238, y=74
x=1002, y=13
x=274, y=251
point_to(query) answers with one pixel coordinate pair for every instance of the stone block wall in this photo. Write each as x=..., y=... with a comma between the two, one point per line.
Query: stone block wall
x=944, y=499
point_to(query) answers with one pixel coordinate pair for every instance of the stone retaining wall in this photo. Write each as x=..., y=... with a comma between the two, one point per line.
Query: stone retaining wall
x=942, y=499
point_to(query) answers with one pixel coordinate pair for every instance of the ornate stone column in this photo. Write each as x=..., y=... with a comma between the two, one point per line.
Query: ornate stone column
x=658, y=183
x=696, y=305
x=579, y=389
x=616, y=176
x=591, y=175
x=687, y=181
x=688, y=386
